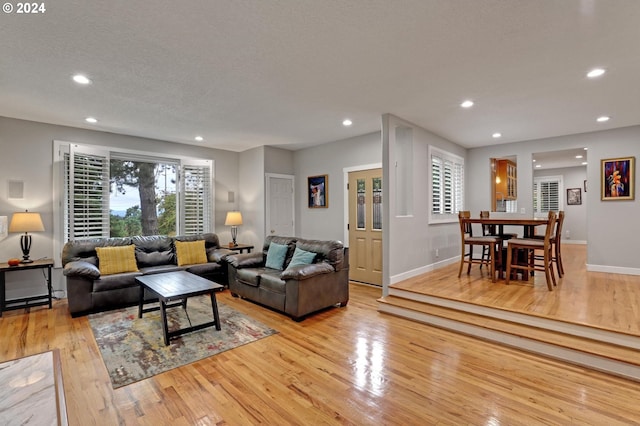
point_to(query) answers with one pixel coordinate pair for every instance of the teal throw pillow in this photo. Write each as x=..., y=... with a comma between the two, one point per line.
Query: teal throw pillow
x=276, y=255
x=301, y=257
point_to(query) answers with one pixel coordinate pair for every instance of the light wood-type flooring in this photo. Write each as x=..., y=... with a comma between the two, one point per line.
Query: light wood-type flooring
x=596, y=299
x=343, y=366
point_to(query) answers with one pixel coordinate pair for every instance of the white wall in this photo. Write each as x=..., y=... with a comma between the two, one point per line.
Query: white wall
x=330, y=159
x=26, y=153
x=575, y=220
x=252, y=201
x=612, y=226
x=410, y=241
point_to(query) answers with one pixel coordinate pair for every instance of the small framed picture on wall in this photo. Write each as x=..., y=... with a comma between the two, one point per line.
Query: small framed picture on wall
x=574, y=196
x=318, y=191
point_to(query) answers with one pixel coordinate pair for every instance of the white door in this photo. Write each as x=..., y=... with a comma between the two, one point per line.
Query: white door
x=280, y=205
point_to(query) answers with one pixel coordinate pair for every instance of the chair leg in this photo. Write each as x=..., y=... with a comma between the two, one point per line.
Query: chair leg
x=509, y=258
x=462, y=255
x=559, y=264
x=492, y=268
x=548, y=272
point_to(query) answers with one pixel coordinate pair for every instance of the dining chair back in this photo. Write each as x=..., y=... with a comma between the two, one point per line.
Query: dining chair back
x=468, y=242
x=530, y=246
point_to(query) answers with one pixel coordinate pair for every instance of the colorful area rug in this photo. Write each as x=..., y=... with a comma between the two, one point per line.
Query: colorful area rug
x=133, y=348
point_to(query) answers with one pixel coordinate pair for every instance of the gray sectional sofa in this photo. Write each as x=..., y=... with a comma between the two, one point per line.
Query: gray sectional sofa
x=298, y=290
x=88, y=291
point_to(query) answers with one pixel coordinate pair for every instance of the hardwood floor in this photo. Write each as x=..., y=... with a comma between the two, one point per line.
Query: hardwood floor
x=349, y=365
x=605, y=301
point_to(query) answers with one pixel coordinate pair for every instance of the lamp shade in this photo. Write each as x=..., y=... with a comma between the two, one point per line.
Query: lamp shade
x=233, y=218
x=26, y=222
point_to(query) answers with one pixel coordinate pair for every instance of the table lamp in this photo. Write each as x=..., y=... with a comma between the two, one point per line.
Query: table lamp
x=26, y=222
x=234, y=219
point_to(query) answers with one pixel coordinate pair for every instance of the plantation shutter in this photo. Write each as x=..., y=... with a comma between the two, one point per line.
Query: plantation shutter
x=546, y=194
x=436, y=182
x=447, y=184
x=87, y=209
x=196, y=196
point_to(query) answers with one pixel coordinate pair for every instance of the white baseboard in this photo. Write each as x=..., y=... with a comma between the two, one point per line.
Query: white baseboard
x=613, y=269
x=423, y=270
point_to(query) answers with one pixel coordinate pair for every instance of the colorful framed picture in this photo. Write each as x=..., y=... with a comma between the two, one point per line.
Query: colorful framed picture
x=318, y=191
x=618, y=179
x=574, y=197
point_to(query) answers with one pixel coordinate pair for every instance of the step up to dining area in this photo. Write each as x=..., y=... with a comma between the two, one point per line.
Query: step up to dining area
x=577, y=322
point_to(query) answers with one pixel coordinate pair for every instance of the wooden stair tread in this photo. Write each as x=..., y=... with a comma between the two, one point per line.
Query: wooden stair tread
x=557, y=338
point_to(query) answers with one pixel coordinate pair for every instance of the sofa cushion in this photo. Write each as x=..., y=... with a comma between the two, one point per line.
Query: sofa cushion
x=270, y=280
x=204, y=268
x=113, y=282
x=190, y=252
x=116, y=260
x=154, y=250
x=276, y=255
x=301, y=257
x=250, y=276
x=160, y=269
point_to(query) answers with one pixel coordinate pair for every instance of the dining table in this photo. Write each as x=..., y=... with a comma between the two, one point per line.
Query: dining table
x=529, y=224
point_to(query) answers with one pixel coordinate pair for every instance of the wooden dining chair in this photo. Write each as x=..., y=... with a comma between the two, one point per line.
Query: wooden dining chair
x=468, y=241
x=490, y=230
x=530, y=246
x=555, y=240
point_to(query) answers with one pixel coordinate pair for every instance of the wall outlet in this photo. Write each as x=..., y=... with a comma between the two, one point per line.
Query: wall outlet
x=568, y=234
x=437, y=253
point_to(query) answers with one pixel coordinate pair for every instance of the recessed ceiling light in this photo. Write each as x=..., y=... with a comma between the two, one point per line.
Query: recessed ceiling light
x=596, y=72
x=538, y=166
x=497, y=135
x=584, y=163
x=81, y=79
x=347, y=122
x=91, y=120
x=466, y=104
x=578, y=156
x=585, y=148
x=199, y=138
x=603, y=119
x=534, y=160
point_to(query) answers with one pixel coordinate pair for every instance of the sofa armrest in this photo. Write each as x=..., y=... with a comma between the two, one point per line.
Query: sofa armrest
x=81, y=268
x=303, y=272
x=219, y=254
x=246, y=260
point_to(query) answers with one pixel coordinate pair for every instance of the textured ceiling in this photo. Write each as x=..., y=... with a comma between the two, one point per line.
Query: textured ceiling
x=286, y=73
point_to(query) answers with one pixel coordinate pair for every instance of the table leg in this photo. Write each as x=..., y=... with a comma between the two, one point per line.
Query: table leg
x=165, y=327
x=214, y=308
x=49, y=287
x=140, y=301
x=2, y=293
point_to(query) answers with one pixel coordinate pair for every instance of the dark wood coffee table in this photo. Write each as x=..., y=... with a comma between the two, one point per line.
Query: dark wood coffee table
x=172, y=286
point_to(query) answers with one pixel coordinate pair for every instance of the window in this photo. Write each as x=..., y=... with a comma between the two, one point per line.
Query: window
x=546, y=194
x=447, y=185
x=102, y=192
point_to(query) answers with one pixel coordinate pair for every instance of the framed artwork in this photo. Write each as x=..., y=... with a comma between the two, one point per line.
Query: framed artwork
x=617, y=179
x=318, y=191
x=574, y=196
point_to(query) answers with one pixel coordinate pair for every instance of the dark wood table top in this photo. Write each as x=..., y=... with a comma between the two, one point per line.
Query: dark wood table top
x=40, y=263
x=170, y=285
x=509, y=221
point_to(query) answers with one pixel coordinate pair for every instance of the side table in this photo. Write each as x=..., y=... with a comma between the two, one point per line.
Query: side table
x=241, y=248
x=25, y=302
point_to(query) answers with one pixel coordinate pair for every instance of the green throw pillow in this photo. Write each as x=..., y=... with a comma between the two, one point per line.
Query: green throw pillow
x=301, y=257
x=276, y=255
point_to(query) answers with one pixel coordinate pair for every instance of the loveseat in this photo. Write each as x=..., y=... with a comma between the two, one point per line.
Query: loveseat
x=91, y=290
x=288, y=283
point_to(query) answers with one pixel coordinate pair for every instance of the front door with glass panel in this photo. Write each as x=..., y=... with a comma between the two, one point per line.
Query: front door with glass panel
x=365, y=226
